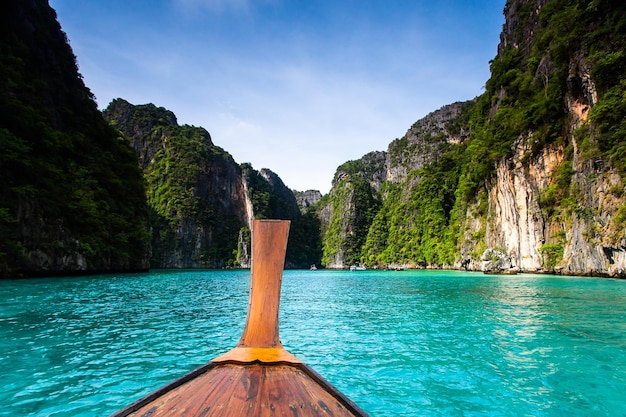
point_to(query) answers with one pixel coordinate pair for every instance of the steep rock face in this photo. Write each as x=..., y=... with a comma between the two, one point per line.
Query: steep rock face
x=195, y=189
x=307, y=199
x=585, y=237
x=594, y=243
x=349, y=211
x=575, y=237
x=71, y=195
x=424, y=142
x=557, y=207
x=537, y=184
x=515, y=220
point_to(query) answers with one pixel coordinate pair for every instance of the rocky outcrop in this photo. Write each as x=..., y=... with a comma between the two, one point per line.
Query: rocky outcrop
x=520, y=25
x=424, y=142
x=307, y=198
x=496, y=261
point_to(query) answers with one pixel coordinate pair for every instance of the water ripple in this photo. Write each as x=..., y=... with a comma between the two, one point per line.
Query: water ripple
x=425, y=343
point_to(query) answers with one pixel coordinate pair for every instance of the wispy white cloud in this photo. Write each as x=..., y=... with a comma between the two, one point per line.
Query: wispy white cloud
x=297, y=87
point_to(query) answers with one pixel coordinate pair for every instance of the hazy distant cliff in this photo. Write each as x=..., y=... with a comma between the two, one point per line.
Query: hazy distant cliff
x=307, y=198
x=529, y=176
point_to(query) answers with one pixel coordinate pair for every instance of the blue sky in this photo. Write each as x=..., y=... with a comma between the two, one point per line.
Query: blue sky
x=295, y=86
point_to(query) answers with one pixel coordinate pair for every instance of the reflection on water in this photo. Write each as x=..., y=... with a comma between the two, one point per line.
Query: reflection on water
x=403, y=343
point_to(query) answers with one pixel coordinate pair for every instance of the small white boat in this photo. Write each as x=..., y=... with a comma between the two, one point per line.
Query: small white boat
x=357, y=268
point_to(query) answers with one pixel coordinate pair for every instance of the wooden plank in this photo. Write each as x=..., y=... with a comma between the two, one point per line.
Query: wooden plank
x=248, y=390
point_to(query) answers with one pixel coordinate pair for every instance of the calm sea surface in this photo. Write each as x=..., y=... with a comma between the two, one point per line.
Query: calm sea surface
x=409, y=343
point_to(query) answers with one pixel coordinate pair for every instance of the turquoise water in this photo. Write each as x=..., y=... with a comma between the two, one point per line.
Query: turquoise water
x=409, y=343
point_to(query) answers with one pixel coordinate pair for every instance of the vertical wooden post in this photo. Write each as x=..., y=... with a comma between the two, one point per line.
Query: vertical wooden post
x=269, y=244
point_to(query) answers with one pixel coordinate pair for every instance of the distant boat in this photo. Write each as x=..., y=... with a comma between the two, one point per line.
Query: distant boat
x=357, y=268
x=258, y=377
x=313, y=267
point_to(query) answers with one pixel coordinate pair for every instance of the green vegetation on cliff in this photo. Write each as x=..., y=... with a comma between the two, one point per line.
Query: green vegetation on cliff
x=571, y=57
x=195, y=217
x=412, y=225
x=72, y=197
x=71, y=194
x=198, y=195
x=347, y=231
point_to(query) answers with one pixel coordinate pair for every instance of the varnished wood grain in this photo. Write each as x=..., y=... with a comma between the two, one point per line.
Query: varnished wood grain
x=269, y=244
x=248, y=390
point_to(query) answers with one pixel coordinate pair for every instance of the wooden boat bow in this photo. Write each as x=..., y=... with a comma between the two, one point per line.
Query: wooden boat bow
x=259, y=377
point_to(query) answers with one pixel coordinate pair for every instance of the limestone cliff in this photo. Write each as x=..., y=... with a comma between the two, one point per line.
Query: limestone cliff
x=582, y=239
x=556, y=207
x=530, y=176
x=202, y=202
x=72, y=199
x=195, y=189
